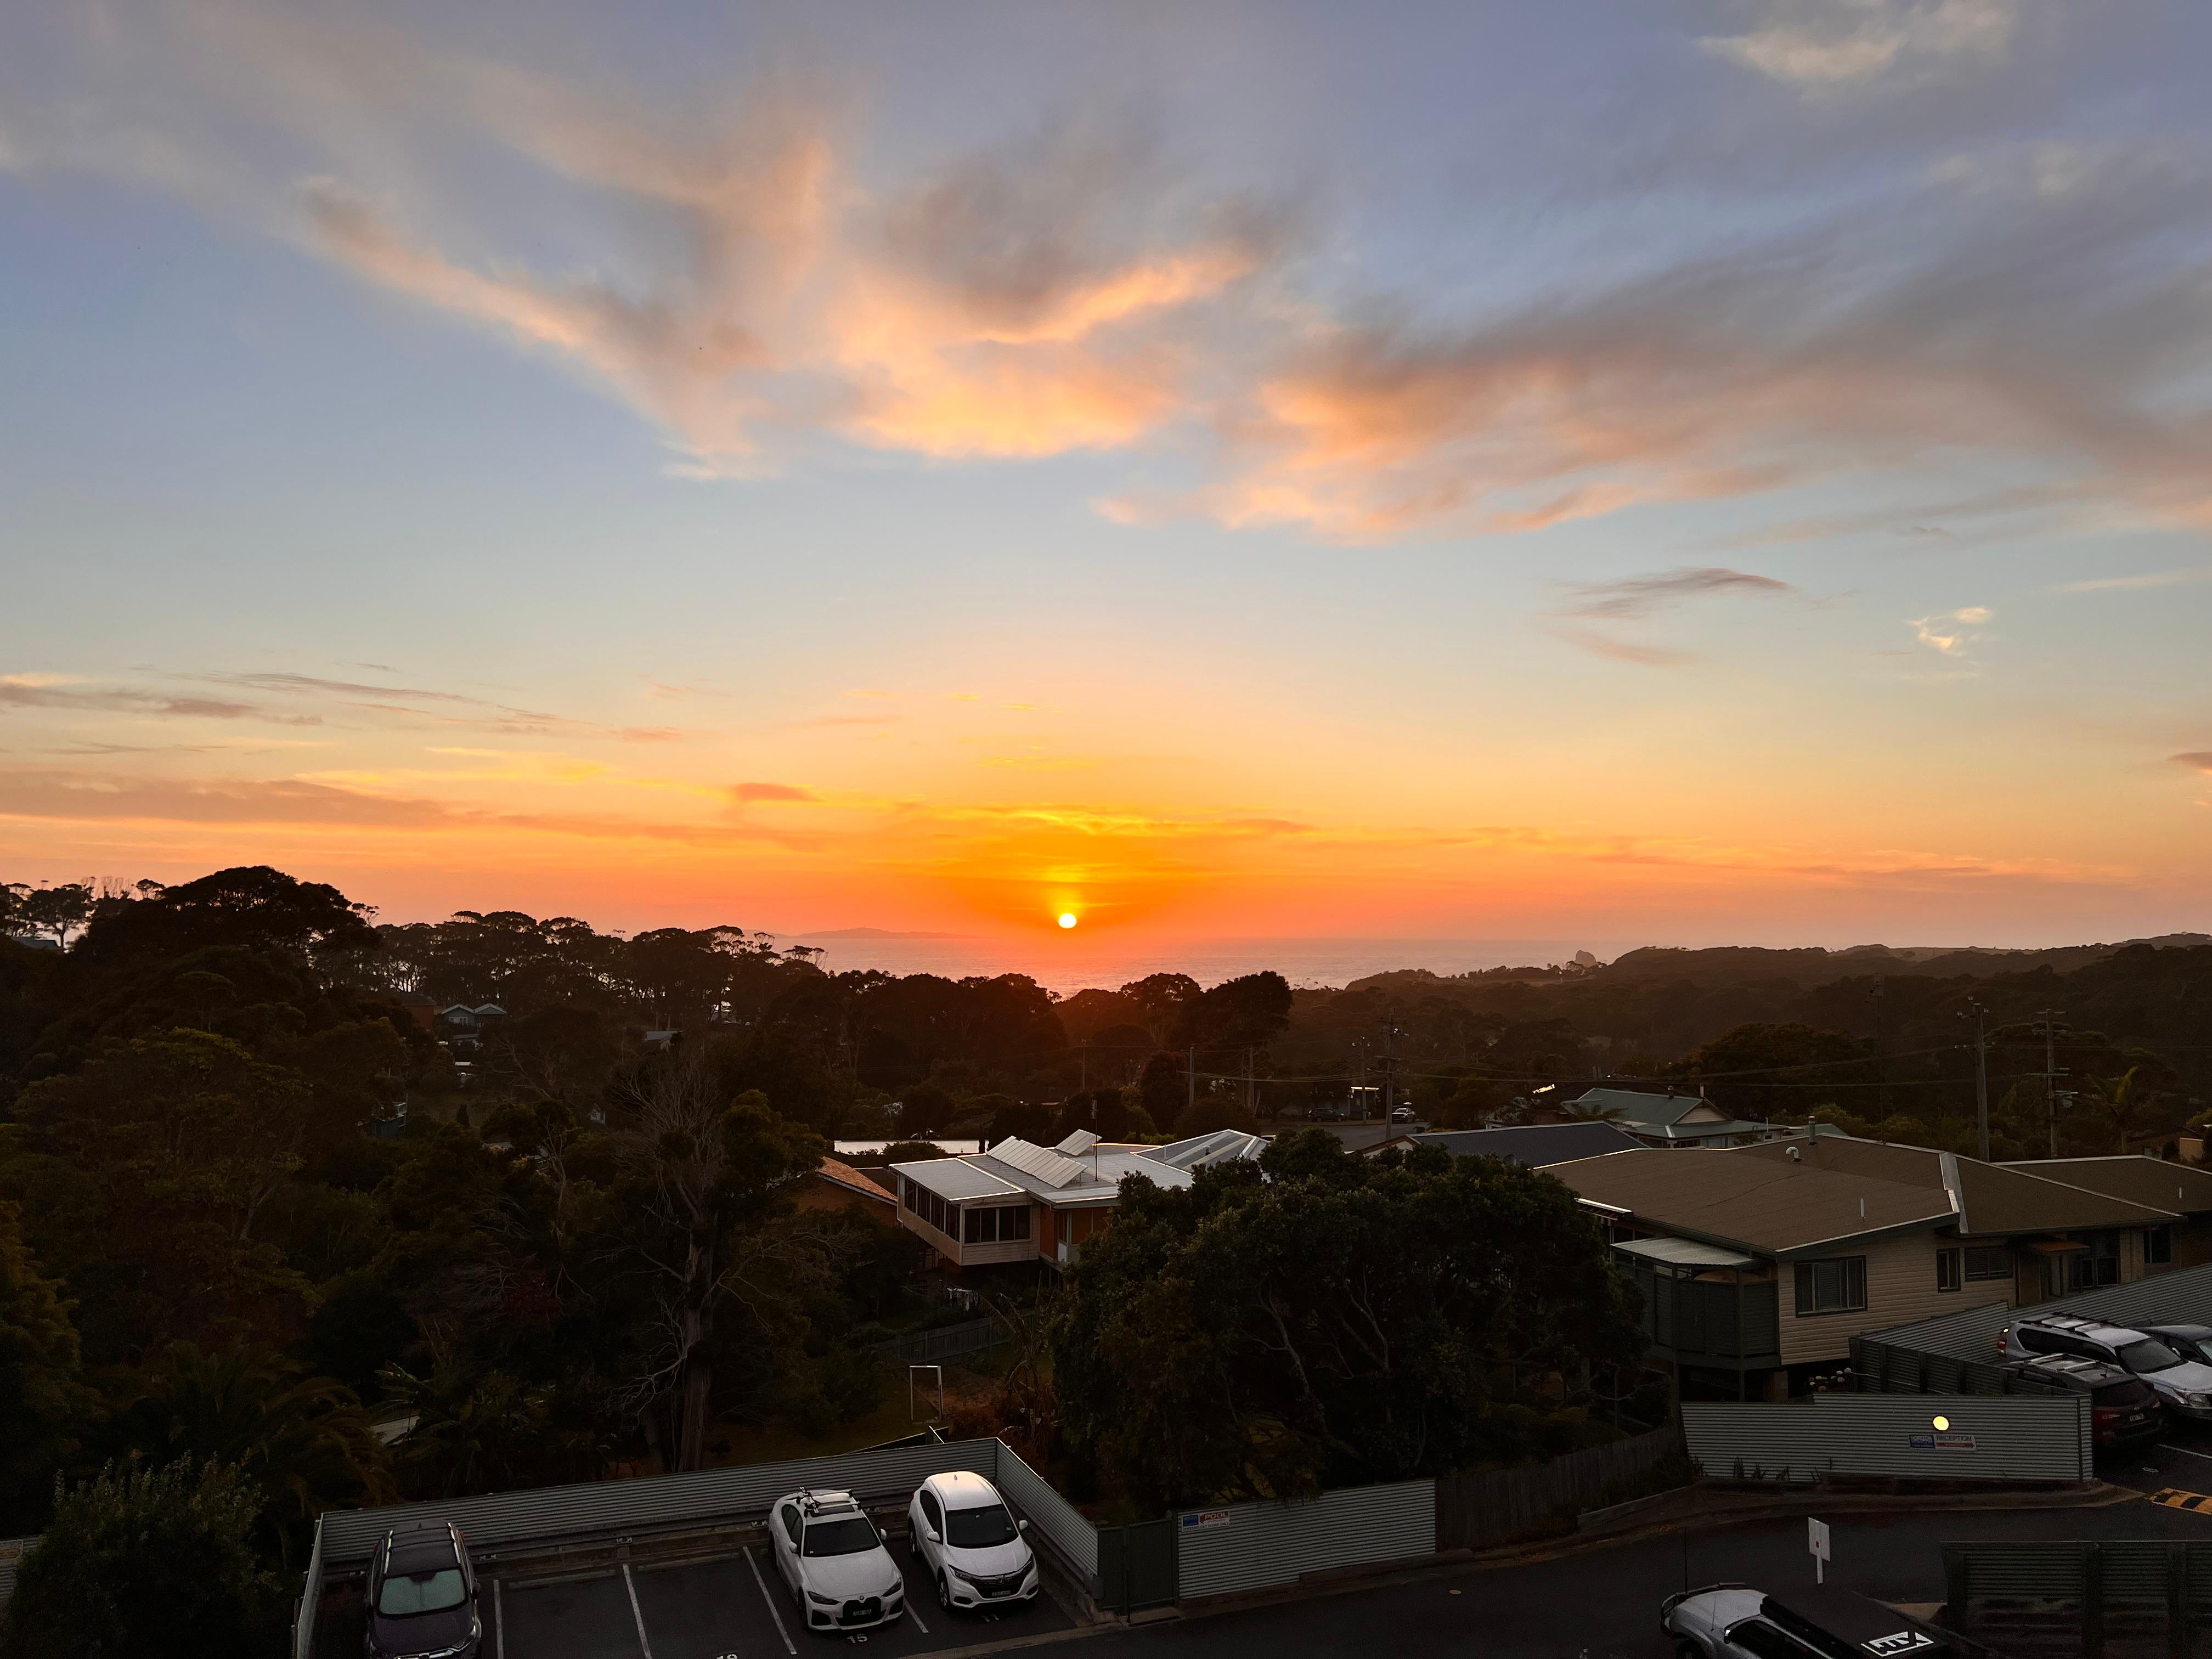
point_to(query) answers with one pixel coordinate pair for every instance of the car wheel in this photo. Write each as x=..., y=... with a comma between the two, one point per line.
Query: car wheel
x=945, y=1592
x=1688, y=1650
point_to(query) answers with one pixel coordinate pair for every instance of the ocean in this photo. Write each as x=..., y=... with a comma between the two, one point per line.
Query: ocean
x=1070, y=965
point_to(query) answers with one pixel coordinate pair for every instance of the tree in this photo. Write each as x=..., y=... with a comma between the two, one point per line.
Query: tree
x=925, y=1110
x=1162, y=1089
x=2120, y=1101
x=253, y=906
x=304, y=1442
x=59, y=911
x=704, y=1183
x=42, y=1399
x=1342, y=1321
x=1237, y=1013
x=147, y=1561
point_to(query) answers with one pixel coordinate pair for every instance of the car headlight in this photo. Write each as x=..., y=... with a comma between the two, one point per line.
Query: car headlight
x=2199, y=1401
x=826, y=1601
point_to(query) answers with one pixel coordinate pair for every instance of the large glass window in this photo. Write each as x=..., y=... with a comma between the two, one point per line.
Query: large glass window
x=1988, y=1261
x=1836, y=1285
x=979, y=1529
x=1014, y=1221
x=2158, y=1247
x=848, y=1535
x=1946, y=1270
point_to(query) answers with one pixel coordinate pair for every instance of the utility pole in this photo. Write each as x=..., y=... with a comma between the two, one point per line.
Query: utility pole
x=1251, y=1083
x=1190, y=1057
x=2051, y=1075
x=1981, y=1019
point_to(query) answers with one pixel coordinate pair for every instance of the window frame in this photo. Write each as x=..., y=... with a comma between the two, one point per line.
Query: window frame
x=1950, y=1271
x=2002, y=1251
x=2162, y=1236
x=1851, y=1269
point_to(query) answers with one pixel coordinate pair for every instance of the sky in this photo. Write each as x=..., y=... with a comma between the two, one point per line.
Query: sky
x=1693, y=470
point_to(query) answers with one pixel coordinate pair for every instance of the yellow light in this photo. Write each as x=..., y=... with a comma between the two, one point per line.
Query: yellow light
x=1941, y=1424
x=1068, y=918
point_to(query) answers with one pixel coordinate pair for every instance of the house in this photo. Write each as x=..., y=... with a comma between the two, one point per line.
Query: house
x=1533, y=1145
x=836, y=1185
x=1020, y=1202
x=2184, y=1189
x=1669, y=1120
x=1761, y=1262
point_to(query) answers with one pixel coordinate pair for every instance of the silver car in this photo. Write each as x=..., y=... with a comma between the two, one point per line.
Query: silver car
x=2184, y=1384
x=1735, y=1621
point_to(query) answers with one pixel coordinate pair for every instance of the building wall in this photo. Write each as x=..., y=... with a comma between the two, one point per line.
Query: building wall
x=2192, y=1242
x=818, y=1195
x=1901, y=1282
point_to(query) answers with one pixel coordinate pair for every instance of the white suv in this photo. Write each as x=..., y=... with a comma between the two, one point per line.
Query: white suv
x=2184, y=1384
x=963, y=1536
x=830, y=1554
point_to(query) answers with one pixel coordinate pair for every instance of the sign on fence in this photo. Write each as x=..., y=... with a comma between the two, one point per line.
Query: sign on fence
x=1816, y=1541
x=1207, y=1518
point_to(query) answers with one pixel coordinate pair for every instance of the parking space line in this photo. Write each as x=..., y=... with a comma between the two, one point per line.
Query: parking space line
x=499, y=1620
x=773, y=1610
x=911, y=1613
x=636, y=1611
x=2184, y=1451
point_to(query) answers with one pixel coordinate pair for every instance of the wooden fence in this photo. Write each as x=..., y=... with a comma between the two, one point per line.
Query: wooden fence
x=1474, y=1511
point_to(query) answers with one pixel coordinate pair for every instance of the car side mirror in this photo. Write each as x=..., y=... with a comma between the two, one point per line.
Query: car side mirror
x=930, y=1532
x=1023, y=1525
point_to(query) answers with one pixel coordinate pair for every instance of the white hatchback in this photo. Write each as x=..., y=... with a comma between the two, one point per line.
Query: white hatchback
x=963, y=1536
x=833, y=1561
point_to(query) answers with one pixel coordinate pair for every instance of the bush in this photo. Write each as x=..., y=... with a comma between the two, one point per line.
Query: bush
x=143, y=1561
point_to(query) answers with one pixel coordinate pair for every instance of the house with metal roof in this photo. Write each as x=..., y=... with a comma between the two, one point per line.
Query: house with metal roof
x=1017, y=1202
x=1759, y=1263
x=1668, y=1120
x=1532, y=1145
x=2184, y=1189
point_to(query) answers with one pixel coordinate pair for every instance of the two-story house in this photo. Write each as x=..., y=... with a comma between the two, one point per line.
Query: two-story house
x=1758, y=1263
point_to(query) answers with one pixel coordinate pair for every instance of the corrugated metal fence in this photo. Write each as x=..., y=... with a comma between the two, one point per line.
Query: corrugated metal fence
x=1248, y=1547
x=960, y=1341
x=2174, y=1299
x=1488, y=1508
x=661, y=1503
x=311, y=1595
x=2032, y=1599
x=2016, y=1438
x=1048, y=1512
x=12, y=1550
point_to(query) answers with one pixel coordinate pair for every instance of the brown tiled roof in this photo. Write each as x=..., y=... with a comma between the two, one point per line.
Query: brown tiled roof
x=1766, y=1204
x=844, y=1174
x=1993, y=1198
x=2136, y=1179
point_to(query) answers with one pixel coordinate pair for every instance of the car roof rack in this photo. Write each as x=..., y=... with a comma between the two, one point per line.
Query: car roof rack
x=826, y=1503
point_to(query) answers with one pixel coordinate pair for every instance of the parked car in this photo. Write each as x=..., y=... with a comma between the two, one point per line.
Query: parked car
x=2192, y=1342
x=1403, y=1115
x=835, y=1562
x=2184, y=1385
x=2123, y=1408
x=1735, y=1621
x=963, y=1536
x=422, y=1596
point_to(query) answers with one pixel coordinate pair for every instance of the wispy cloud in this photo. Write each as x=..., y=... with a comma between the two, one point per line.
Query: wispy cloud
x=1605, y=644
x=2150, y=578
x=1954, y=633
x=68, y=692
x=2200, y=759
x=745, y=793
x=1828, y=45
x=1639, y=596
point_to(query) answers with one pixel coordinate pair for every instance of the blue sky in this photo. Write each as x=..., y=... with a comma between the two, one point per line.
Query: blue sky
x=1710, y=471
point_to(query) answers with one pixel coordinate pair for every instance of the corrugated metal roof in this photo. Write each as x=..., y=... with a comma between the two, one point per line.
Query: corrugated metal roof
x=1685, y=1252
x=1218, y=1146
x=12, y=1551
x=2003, y=1438
x=956, y=1179
x=1533, y=1145
x=2137, y=1178
x=1768, y=1205
x=2174, y=1299
x=1243, y=1547
x=1994, y=1199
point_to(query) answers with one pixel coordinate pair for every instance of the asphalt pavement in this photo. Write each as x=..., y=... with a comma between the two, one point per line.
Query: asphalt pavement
x=1604, y=1603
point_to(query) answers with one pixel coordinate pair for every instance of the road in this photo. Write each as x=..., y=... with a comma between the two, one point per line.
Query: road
x=1604, y=1604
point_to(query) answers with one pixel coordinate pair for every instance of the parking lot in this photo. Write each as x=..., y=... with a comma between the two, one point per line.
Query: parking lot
x=731, y=1607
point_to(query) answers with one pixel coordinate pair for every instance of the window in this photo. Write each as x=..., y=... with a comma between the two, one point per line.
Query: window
x=854, y=1534
x=912, y=1201
x=434, y=1591
x=979, y=1227
x=1988, y=1261
x=2158, y=1247
x=979, y=1529
x=933, y=1511
x=789, y=1516
x=2149, y=1355
x=2037, y=1341
x=1014, y=1221
x=1946, y=1270
x=1763, y=1641
x=1836, y=1285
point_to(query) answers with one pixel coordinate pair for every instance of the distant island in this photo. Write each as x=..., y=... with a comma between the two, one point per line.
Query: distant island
x=874, y=932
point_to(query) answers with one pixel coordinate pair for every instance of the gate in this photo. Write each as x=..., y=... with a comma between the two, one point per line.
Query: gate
x=1137, y=1566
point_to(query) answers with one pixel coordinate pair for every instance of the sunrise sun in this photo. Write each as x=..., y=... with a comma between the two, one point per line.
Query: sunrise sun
x=1068, y=918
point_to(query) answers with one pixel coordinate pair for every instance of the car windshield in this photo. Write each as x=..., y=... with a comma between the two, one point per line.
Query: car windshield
x=2121, y=1396
x=847, y=1537
x=978, y=1530
x=434, y=1591
x=2149, y=1355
